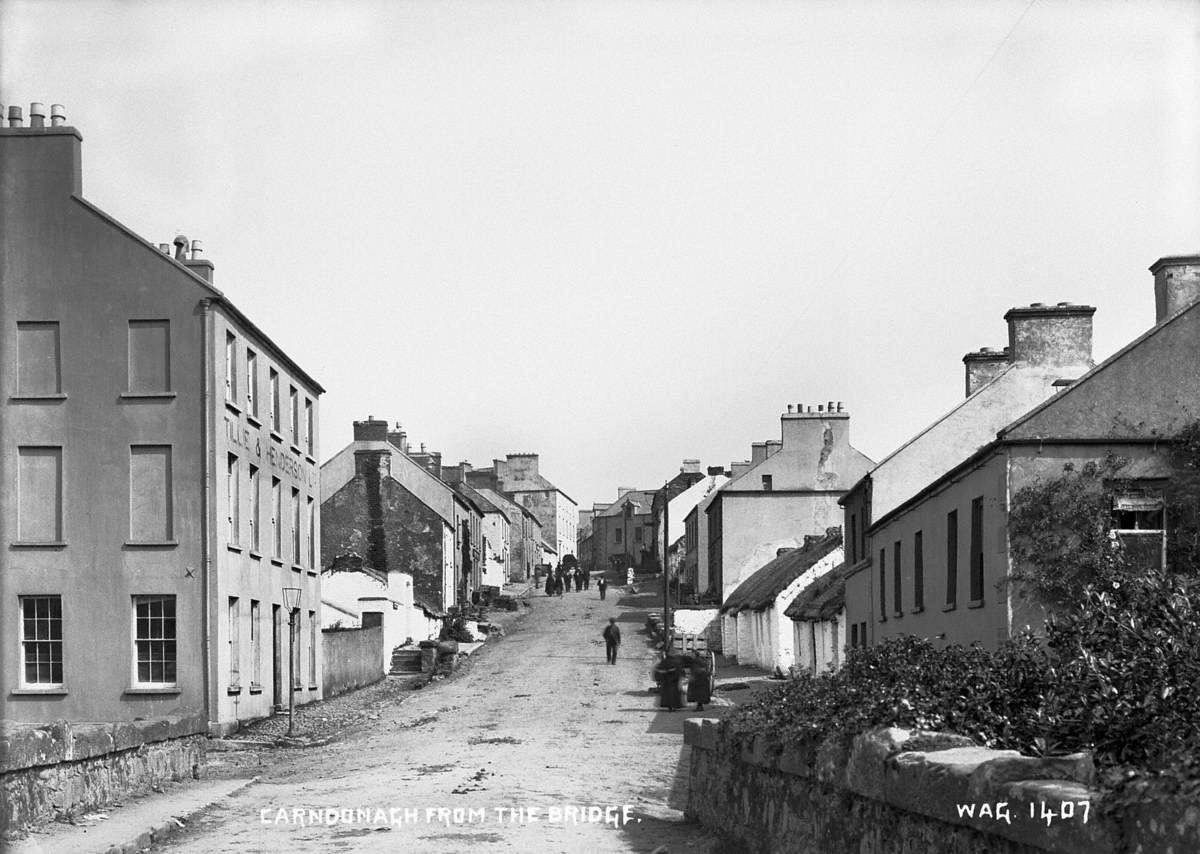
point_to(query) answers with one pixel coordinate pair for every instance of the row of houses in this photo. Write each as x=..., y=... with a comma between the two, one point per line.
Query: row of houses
x=810, y=547
x=406, y=539
x=173, y=547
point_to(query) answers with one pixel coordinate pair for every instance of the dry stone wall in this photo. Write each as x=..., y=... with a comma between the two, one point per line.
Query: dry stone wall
x=59, y=769
x=896, y=791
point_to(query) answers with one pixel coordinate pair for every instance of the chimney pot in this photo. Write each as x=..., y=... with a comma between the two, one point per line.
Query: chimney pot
x=15, y=117
x=164, y=248
x=791, y=409
x=181, y=245
x=1037, y=305
x=196, y=250
x=820, y=408
x=57, y=117
x=37, y=115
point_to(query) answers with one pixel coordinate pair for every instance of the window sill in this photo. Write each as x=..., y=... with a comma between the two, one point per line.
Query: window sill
x=151, y=544
x=277, y=436
x=255, y=555
x=147, y=395
x=253, y=419
x=950, y=606
x=312, y=573
x=920, y=609
x=48, y=691
x=883, y=619
x=233, y=690
x=234, y=547
x=975, y=603
x=255, y=688
x=33, y=398
x=233, y=407
x=276, y=561
x=44, y=544
x=312, y=687
x=295, y=449
x=151, y=690
x=898, y=614
x=310, y=458
x=297, y=568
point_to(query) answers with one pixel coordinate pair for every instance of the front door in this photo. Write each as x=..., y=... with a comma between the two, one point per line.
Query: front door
x=277, y=656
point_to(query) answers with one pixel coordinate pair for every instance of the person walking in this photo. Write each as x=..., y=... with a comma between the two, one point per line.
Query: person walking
x=699, y=689
x=602, y=586
x=578, y=580
x=612, y=640
x=667, y=674
x=549, y=583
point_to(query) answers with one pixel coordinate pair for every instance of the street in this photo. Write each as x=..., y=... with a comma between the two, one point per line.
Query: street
x=538, y=746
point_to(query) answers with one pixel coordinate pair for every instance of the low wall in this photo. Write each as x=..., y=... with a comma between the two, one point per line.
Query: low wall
x=896, y=791
x=699, y=621
x=59, y=769
x=352, y=658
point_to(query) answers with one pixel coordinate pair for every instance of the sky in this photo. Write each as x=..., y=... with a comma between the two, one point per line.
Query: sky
x=621, y=234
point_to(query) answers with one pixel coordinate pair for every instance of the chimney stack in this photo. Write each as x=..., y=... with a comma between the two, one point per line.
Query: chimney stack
x=773, y=447
x=690, y=467
x=398, y=438
x=202, y=267
x=371, y=430
x=1041, y=334
x=714, y=471
x=758, y=452
x=1176, y=284
x=984, y=365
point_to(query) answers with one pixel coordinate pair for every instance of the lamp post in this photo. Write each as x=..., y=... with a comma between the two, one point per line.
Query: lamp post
x=291, y=601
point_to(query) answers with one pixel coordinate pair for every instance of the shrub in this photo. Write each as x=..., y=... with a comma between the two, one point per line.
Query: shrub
x=1119, y=675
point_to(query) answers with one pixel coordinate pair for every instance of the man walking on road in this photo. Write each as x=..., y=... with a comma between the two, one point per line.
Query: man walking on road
x=602, y=584
x=612, y=640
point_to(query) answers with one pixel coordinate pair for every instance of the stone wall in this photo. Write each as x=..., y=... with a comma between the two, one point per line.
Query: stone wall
x=352, y=658
x=895, y=791
x=58, y=769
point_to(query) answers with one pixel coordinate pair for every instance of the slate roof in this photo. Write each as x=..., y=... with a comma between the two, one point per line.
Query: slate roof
x=760, y=589
x=824, y=598
x=642, y=499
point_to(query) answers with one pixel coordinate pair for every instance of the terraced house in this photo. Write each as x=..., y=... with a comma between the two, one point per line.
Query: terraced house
x=158, y=453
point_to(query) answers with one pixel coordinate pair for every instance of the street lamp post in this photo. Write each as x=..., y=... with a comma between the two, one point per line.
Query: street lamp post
x=291, y=601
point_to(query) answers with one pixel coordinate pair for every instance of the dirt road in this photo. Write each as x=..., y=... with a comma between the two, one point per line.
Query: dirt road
x=539, y=747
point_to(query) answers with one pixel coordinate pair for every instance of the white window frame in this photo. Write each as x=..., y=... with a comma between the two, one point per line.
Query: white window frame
x=235, y=652
x=135, y=679
x=22, y=681
x=1139, y=501
x=252, y=382
x=230, y=368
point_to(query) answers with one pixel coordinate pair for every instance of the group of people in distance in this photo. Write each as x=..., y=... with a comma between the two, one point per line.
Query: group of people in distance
x=670, y=671
x=560, y=579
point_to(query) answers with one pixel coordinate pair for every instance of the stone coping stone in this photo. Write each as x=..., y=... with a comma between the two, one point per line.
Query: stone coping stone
x=31, y=745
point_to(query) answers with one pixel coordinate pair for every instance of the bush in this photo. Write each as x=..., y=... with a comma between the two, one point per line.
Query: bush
x=1119, y=675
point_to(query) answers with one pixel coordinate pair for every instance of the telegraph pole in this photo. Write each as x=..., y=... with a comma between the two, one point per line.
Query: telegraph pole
x=665, y=563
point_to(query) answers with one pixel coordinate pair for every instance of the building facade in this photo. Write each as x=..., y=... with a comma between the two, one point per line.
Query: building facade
x=937, y=561
x=790, y=489
x=623, y=532
x=121, y=451
x=517, y=476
